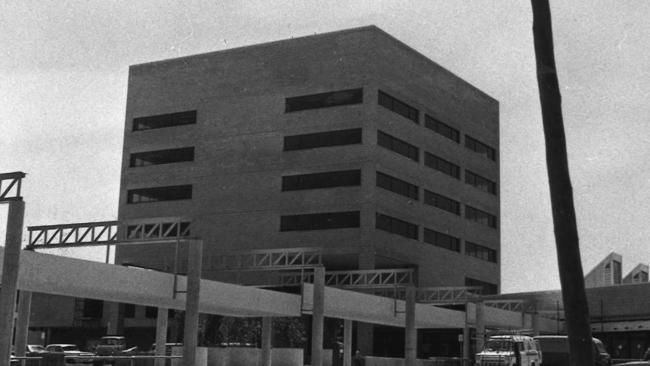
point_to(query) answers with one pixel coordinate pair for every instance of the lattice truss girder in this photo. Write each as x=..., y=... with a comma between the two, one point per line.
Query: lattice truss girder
x=73, y=234
x=379, y=278
x=10, y=185
x=511, y=305
x=107, y=232
x=271, y=259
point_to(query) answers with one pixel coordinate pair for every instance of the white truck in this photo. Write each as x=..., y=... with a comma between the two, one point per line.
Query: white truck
x=510, y=350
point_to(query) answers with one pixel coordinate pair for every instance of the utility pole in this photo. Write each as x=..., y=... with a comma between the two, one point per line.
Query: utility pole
x=564, y=219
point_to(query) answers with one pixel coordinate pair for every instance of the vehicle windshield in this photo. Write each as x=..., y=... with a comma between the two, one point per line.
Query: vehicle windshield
x=70, y=348
x=35, y=348
x=498, y=345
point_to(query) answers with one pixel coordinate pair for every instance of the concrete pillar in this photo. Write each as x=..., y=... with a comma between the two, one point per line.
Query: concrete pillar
x=112, y=310
x=347, y=342
x=9, y=279
x=410, y=332
x=480, y=326
x=466, y=339
x=22, y=323
x=267, y=337
x=318, y=317
x=190, y=339
x=162, y=322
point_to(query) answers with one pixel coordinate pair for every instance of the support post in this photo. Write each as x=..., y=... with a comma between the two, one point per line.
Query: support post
x=11, y=263
x=466, y=339
x=113, y=315
x=22, y=323
x=318, y=317
x=162, y=322
x=410, y=332
x=480, y=325
x=347, y=342
x=267, y=337
x=190, y=339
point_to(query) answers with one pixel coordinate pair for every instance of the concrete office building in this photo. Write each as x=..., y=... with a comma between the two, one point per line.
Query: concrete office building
x=348, y=141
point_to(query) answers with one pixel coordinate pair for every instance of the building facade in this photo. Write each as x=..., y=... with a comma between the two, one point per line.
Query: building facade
x=350, y=142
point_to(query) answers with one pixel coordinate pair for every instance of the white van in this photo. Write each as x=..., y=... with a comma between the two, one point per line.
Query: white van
x=510, y=350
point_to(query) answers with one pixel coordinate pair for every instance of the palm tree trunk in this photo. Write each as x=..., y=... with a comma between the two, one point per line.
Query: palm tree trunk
x=564, y=219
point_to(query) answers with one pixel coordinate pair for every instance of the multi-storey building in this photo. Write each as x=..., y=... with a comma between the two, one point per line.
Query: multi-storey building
x=348, y=141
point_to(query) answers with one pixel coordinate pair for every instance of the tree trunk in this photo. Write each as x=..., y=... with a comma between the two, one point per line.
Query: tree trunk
x=564, y=220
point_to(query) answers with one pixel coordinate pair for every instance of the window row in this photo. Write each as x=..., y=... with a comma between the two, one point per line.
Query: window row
x=480, y=182
x=487, y=288
x=434, y=162
x=324, y=100
x=159, y=157
x=439, y=127
x=164, y=120
x=343, y=178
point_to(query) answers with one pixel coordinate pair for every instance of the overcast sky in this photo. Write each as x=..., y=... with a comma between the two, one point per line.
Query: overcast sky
x=63, y=78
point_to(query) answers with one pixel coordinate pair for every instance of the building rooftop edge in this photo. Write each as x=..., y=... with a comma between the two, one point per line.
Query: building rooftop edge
x=371, y=27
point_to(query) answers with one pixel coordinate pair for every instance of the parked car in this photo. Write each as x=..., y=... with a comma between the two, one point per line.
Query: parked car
x=35, y=350
x=110, y=346
x=556, y=351
x=79, y=356
x=510, y=350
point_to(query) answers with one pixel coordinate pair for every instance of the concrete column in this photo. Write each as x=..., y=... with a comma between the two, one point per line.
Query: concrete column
x=318, y=317
x=347, y=342
x=466, y=339
x=9, y=279
x=480, y=325
x=410, y=332
x=267, y=337
x=161, y=335
x=22, y=323
x=194, y=260
x=112, y=310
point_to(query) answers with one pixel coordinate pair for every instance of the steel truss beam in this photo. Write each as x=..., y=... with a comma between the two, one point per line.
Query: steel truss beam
x=70, y=235
x=360, y=279
x=447, y=295
x=511, y=305
x=10, y=185
x=266, y=260
x=106, y=233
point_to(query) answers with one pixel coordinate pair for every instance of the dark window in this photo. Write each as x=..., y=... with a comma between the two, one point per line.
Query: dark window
x=164, y=120
x=396, y=226
x=324, y=100
x=320, y=221
x=441, y=240
x=323, y=139
x=398, y=146
x=342, y=178
x=482, y=217
x=481, y=252
x=398, y=106
x=162, y=157
x=129, y=311
x=441, y=165
x=442, y=202
x=170, y=193
x=487, y=288
x=479, y=147
x=441, y=128
x=481, y=183
x=151, y=312
x=93, y=308
x=398, y=186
